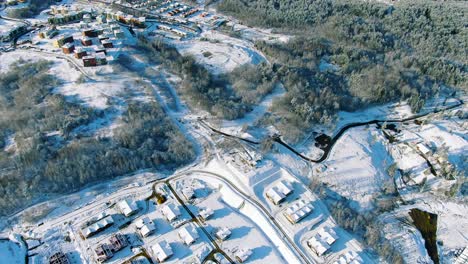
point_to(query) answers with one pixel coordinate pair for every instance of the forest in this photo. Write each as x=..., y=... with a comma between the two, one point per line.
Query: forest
x=41, y=153
x=347, y=55
x=227, y=96
x=34, y=8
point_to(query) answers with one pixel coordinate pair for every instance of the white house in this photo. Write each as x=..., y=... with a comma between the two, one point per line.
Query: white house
x=285, y=187
x=318, y=246
x=349, y=257
x=243, y=254
x=145, y=226
x=298, y=211
x=162, y=251
x=279, y=192
x=328, y=235
x=127, y=207
x=223, y=233
x=98, y=226
x=205, y=213
x=171, y=212
x=275, y=196
x=142, y=221
x=147, y=229
x=323, y=240
x=188, y=234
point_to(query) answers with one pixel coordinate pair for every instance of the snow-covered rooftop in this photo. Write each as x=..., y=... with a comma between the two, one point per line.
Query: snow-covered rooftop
x=127, y=207
x=188, y=234
x=170, y=211
x=162, y=250
x=298, y=211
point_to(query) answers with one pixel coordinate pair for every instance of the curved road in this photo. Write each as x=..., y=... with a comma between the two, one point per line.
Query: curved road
x=74, y=63
x=27, y=23
x=259, y=207
x=335, y=138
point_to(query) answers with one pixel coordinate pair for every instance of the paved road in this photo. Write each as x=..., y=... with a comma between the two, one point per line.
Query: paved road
x=57, y=55
x=340, y=133
x=27, y=23
x=259, y=207
x=197, y=221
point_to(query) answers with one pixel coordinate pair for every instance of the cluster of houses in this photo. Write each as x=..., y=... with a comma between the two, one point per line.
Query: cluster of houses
x=321, y=243
x=159, y=250
x=59, y=258
x=123, y=18
x=62, y=14
x=106, y=251
x=95, y=225
x=298, y=210
x=163, y=250
x=91, y=47
x=116, y=242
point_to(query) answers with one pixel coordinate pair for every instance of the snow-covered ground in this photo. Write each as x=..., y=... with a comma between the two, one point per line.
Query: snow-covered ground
x=356, y=167
x=220, y=53
x=233, y=182
x=246, y=233
x=6, y=26
x=452, y=227
x=256, y=34
x=11, y=251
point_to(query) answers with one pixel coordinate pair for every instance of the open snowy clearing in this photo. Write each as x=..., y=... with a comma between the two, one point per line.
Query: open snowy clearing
x=6, y=26
x=11, y=252
x=357, y=166
x=220, y=53
x=95, y=94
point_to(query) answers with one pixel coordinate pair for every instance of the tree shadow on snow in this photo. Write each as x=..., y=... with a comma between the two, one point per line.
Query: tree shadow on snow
x=240, y=232
x=221, y=213
x=260, y=253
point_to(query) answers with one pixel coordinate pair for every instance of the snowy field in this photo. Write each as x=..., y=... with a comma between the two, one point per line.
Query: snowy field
x=11, y=252
x=6, y=26
x=452, y=227
x=220, y=53
x=357, y=166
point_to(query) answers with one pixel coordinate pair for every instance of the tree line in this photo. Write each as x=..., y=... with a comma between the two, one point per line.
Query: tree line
x=50, y=157
x=228, y=96
x=34, y=7
x=379, y=53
